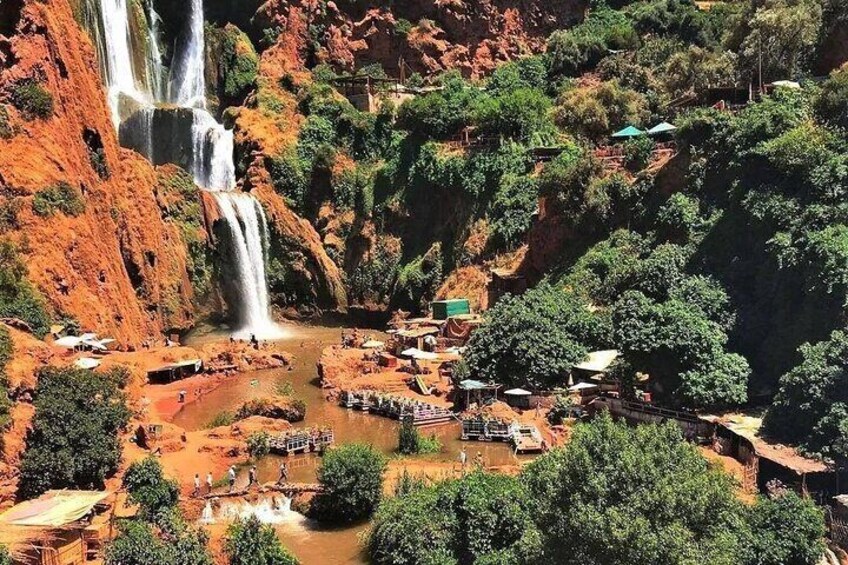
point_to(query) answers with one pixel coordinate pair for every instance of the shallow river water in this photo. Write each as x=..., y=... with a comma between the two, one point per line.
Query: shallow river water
x=309, y=543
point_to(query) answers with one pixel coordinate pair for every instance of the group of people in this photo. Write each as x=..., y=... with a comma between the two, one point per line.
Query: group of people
x=231, y=479
x=463, y=460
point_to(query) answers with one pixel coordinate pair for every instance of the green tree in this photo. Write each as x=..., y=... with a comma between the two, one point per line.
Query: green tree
x=18, y=297
x=618, y=494
x=481, y=518
x=148, y=487
x=137, y=544
x=596, y=111
x=73, y=442
x=249, y=542
x=831, y=104
x=351, y=477
x=521, y=114
x=534, y=339
x=511, y=209
x=811, y=405
x=787, y=530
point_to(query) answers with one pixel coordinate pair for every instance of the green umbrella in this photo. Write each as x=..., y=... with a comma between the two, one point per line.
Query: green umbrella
x=629, y=131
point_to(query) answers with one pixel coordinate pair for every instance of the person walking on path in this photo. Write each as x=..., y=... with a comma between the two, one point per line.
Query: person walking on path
x=478, y=461
x=231, y=475
x=284, y=474
x=196, y=492
x=463, y=460
x=251, y=477
x=209, y=483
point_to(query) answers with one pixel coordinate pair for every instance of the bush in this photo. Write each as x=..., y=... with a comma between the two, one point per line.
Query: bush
x=137, y=543
x=32, y=100
x=249, y=542
x=148, y=487
x=73, y=442
x=7, y=131
x=352, y=480
x=596, y=111
x=561, y=409
x=18, y=298
x=289, y=178
x=520, y=114
x=637, y=153
x=60, y=197
x=238, y=64
x=411, y=442
x=222, y=418
x=259, y=444
x=5, y=558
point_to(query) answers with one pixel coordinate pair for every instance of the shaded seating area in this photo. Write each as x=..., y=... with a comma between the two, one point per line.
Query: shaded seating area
x=174, y=371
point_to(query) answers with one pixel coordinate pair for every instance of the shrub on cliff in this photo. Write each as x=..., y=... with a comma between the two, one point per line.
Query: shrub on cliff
x=249, y=542
x=32, y=100
x=352, y=480
x=18, y=298
x=238, y=64
x=61, y=197
x=278, y=407
x=73, y=442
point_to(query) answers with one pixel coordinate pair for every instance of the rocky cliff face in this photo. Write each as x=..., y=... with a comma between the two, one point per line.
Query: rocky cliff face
x=427, y=35
x=116, y=266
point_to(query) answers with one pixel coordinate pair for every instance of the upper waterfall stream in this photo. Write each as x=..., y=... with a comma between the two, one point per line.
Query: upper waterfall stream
x=136, y=89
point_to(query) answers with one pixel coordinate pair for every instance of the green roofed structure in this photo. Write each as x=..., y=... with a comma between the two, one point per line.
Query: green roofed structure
x=628, y=132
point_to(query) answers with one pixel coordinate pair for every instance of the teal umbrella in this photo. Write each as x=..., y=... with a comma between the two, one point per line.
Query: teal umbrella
x=629, y=131
x=664, y=127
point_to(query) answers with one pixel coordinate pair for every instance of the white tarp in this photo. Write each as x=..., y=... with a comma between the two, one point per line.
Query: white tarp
x=373, y=344
x=416, y=353
x=69, y=341
x=518, y=392
x=86, y=363
x=598, y=361
x=581, y=386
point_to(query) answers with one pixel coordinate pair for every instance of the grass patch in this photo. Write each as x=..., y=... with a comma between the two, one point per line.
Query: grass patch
x=61, y=197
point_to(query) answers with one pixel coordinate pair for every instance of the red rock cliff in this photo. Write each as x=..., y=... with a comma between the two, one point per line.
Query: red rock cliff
x=118, y=267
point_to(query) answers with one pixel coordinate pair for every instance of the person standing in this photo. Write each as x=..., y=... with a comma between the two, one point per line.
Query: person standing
x=463, y=459
x=231, y=475
x=196, y=492
x=478, y=461
x=251, y=477
x=209, y=483
x=284, y=474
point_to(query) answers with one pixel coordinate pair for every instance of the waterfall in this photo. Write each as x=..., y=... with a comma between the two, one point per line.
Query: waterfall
x=274, y=511
x=211, y=144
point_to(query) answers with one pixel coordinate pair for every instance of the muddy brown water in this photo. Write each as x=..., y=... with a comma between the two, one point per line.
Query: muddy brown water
x=313, y=544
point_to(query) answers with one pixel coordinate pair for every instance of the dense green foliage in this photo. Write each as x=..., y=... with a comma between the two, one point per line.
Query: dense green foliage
x=811, y=408
x=5, y=558
x=481, y=518
x=352, y=480
x=148, y=487
x=259, y=444
x=614, y=494
x=60, y=197
x=173, y=543
x=73, y=442
x=535, y=339
x=18, y=297
x=238, y=63
x=249, y=542
x=6, y=351
x=32, y=100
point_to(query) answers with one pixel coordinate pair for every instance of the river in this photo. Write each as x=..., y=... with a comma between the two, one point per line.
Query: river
x=309, y=543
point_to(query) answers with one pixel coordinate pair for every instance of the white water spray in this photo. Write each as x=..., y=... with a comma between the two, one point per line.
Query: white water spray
x=274, y=511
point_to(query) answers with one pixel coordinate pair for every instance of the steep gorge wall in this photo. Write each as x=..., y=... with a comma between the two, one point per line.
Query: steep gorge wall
x=118, y=267
x=430, y=35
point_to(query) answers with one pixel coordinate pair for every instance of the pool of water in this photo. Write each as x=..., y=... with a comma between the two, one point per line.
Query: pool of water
x=310, y=543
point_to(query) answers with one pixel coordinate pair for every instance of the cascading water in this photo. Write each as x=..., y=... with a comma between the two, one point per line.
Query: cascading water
x=211, y=144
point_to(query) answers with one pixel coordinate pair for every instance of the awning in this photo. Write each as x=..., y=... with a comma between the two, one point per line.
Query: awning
x=663, y=127
x=54, y=508
x=598, y=361
x=629, y=131
x=471, y=384
x=86, y=363
x=373, y=344
x=518, y=392
x=581, y=386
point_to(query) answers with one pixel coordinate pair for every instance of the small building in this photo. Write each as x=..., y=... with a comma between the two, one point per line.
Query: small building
x=476, y=392
x=367, y=93
x=60, y=527
x=738, y=435
x=444, y=309
x=584, y=392
x=518, y=397
x=174, y=371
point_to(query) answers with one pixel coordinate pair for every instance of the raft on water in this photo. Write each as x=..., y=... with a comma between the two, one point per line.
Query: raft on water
x=485, y=429
x=396, y=407
x=525, y=438
x=302, y=441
